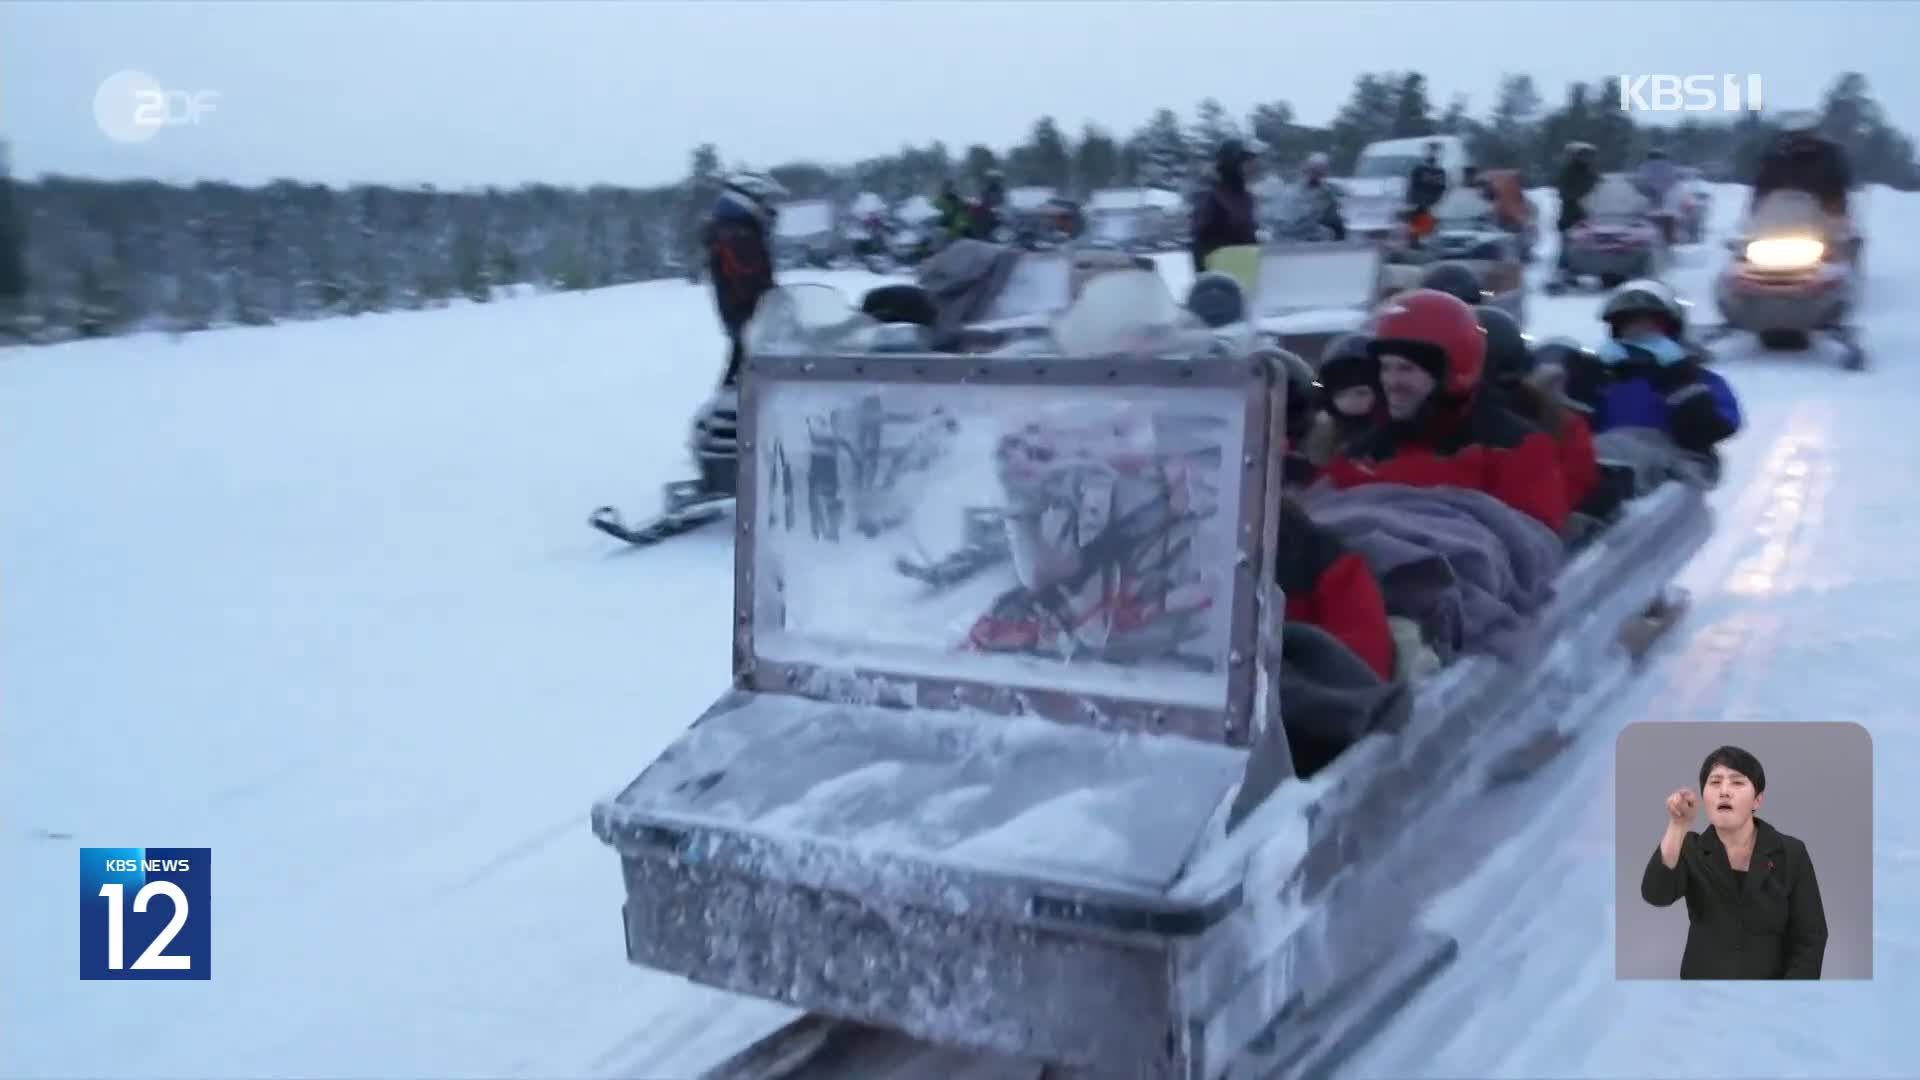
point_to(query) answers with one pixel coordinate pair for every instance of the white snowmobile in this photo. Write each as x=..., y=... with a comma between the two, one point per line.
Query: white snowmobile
x=1620, y=240
x=1050, y=821
x=1794, y=273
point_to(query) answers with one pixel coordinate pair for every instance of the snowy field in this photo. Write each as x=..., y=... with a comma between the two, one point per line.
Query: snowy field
x=320, y=597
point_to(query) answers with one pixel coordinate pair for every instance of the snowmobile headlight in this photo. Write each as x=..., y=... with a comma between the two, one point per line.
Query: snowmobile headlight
x=1785, y=253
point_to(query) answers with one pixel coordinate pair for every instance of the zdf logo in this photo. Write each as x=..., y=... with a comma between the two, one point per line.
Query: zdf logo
x=132, y=106
x=1689, y=93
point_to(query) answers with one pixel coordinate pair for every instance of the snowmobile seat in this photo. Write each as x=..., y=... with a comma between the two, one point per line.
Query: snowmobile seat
x=906, y=303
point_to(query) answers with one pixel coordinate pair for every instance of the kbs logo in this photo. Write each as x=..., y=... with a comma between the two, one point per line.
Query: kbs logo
x=1689, y=93
x=146, y=913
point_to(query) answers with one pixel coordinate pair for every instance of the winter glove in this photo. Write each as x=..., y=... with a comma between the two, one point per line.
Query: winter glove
x=1694, y=418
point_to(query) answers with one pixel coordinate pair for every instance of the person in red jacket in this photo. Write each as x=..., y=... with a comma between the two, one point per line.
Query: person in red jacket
x=1327, y=584
x=1330, y=586
x=1532, y=395
x=1442, y=431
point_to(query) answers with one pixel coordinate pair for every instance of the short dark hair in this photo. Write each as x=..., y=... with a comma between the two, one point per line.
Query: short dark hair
x=1739, y=761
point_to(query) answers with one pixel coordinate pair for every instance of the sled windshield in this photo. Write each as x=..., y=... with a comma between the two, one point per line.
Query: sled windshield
x=1014, y=535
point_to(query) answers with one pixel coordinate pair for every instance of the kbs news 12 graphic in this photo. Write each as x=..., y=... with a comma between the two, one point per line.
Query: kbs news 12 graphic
x=146, y=913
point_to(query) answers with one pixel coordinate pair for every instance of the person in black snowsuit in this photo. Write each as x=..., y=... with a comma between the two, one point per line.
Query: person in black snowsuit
x=1426, y=186
x=1803, y=160
x=983, y=214
x=1578, y=177
x=1224, y=215
x=738, y=241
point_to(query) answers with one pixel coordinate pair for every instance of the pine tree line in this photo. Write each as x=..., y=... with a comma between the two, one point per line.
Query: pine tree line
x=88, y=258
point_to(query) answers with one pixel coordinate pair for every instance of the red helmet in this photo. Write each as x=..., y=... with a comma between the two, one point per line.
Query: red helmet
x=1437, y=331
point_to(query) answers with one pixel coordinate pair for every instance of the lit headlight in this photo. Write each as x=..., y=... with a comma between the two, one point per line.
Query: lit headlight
x=1786, y=253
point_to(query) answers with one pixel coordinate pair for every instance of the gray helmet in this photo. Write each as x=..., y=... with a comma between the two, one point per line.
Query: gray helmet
x=1645, y=296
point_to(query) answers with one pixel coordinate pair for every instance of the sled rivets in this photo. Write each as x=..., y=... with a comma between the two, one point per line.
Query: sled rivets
x=1236, y=658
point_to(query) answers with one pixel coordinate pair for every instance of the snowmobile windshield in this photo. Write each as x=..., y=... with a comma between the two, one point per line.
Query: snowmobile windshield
x=1130, y=313
x=1616, y=198
x=1462, y=209
x=803, y=220
x=798, y=319
x=1386, y=167
x=1788, y=209
x=1041, y=284
x=1116, y=228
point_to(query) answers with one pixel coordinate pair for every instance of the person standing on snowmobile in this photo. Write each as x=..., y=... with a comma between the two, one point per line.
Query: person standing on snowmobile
x=1578, y=177
x=1315, y=205
x=1224, y=215
x=1802, y=159
x=739, y=241
x=984, y=213
x=1647, y=376
x=1442, y=430
x=953, y=211
x=1655, y=179
x=1426, y=186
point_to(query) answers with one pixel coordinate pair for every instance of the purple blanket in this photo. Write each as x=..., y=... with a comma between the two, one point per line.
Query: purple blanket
x=1464, y=566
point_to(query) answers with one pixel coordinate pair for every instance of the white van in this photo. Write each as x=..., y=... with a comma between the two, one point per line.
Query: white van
x=1377, y=190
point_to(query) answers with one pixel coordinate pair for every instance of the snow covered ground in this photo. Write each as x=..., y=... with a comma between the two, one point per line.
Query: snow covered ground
x=320, y=597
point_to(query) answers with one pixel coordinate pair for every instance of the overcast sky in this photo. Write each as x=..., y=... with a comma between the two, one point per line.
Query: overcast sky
x=508, y=91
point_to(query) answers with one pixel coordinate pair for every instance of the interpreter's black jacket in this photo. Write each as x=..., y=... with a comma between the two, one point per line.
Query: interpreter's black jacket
x=1772, y=927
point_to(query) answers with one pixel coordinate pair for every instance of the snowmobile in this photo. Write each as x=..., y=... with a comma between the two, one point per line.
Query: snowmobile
x=1794, y=272
x=1467, y=230
x=1619, y=241
x=1050, y=820
x=1016, y=305
x=1302, y=295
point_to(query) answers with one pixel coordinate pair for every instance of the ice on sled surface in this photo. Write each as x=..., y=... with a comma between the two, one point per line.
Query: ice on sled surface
x=993, y=814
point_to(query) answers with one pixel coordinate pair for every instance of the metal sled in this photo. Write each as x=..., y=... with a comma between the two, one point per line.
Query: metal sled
x=1027, y=855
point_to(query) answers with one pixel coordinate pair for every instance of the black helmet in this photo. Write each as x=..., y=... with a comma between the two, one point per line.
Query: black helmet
x=1646, y=296
x=1217, y=300
x=1456, y=280
x=1508, y=359
x=1346, y=363
x=1560, y=352
x=1303, y=397
x=1232, y=156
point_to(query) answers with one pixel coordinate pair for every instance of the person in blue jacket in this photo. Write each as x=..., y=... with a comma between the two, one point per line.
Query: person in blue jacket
x=739, y=241
x=1647, y=375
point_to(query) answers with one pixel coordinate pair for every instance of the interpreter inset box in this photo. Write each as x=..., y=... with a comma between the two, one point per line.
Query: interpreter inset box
x=1743, y=851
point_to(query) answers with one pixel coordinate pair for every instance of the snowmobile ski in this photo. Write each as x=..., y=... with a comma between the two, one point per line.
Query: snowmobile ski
x=688, y=507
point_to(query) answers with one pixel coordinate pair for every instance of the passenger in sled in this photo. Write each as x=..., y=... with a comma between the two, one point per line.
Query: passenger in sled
x=1349, y=397
x=1537, y=395
x=1648, y=376
x=1441, y=430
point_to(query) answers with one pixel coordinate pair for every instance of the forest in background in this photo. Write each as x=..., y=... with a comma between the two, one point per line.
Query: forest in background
x=86, y=258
